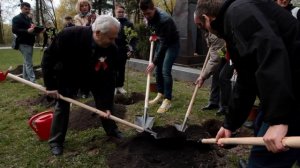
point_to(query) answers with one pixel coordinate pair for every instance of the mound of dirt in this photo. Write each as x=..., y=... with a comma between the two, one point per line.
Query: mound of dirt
x=82, y=119
x=133, y=98
x=174, y=150
x=19, y=69
x=42, y=100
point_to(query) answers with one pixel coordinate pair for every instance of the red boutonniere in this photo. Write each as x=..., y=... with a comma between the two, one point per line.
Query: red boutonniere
x=101, y=64
x=153, y=37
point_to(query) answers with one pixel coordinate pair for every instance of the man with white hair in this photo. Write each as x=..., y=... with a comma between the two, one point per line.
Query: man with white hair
x=77, y=56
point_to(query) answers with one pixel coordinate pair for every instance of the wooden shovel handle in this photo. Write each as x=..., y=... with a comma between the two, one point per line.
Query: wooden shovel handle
x=148, y=77
x=92, y=109
x=292, y=142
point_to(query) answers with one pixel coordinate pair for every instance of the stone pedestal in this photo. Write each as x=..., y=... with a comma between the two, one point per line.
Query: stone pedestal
x=191, y=39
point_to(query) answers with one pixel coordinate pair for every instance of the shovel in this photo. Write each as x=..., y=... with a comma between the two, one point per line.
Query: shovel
x=183, y=127
x=146, y=121
x=291, y=142
x=92, y=109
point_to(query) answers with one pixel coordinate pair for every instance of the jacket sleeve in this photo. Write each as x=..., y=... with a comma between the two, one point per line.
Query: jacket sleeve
x=263, y=57
x=17, y=27
x=215, y=45
x=50, y=64
x=77, y=21
x=168, y=27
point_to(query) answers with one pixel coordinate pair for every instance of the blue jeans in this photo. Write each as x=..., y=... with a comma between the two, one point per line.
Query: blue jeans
x=27, y=52
x=261, y=157
x=163, y=71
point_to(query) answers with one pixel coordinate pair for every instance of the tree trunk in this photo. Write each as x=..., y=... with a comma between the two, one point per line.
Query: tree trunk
x=37, y=12
x=42, y=6
x=1, y=28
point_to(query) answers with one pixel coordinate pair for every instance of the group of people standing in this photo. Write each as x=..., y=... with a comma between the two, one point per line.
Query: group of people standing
x=95, y=48
x=257, y=38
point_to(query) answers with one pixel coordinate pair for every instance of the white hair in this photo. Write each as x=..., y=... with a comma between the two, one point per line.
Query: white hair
x=104, y=23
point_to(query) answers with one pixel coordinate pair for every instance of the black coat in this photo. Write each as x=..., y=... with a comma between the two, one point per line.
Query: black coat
x=20, y=24
x=70, y=62
x=263, y=41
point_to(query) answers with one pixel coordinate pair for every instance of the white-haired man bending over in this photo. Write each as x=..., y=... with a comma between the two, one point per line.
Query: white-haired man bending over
x=82, y=56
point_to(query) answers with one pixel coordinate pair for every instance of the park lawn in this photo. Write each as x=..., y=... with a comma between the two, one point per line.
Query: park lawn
x=21, y=148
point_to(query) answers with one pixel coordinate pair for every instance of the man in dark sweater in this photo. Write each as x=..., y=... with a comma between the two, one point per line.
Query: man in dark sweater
x=23, y=27
x=77, y=56
x=263, y=42
x=167, y=50
x=125, y=47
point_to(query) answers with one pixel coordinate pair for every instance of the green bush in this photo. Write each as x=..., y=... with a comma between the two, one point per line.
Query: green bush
x=143, y=44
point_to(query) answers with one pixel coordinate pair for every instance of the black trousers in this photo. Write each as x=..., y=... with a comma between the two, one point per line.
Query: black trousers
x=121, y=70
x=60, y=120
x=225, y=84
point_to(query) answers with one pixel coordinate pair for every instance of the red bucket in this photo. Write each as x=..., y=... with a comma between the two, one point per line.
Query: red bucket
x=3, y=75
x=41, y=124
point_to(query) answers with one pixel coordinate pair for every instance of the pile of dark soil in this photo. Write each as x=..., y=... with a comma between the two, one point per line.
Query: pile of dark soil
x=133, y=98
x=178, y=151
x=82, y=119
x=19, y=69
x=42, y=100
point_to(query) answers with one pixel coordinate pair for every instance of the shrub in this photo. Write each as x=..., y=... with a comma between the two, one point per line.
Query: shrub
x=143, y=44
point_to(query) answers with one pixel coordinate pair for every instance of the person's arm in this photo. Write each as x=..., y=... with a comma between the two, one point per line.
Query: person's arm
x=216, y=45
x=50, y=64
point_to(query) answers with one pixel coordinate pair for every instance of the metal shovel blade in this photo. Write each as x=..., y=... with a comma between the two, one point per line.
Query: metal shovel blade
x=181, y=127
x=144, y=122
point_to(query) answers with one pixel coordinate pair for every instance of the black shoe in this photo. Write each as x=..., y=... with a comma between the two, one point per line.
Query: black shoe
x=116, y=134
x=221, y=111
x=210, y=107
x=57, y=150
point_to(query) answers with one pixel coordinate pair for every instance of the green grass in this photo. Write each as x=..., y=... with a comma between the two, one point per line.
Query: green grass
x=20, y=147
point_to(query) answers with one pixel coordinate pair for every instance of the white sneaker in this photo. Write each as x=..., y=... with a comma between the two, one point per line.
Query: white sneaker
x=165, y=106
x=121, y=90
x=158, y=97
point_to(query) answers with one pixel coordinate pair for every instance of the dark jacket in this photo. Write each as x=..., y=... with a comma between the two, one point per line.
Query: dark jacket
x=263, y=41
x=20, y=24
x=165, y=28
x=71, y=60
x=121, y=40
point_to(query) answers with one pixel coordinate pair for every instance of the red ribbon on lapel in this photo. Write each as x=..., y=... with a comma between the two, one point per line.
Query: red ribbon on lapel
x=100, y=64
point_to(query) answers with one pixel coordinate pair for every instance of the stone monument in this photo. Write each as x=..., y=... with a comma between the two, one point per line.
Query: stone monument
x=192, y=43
